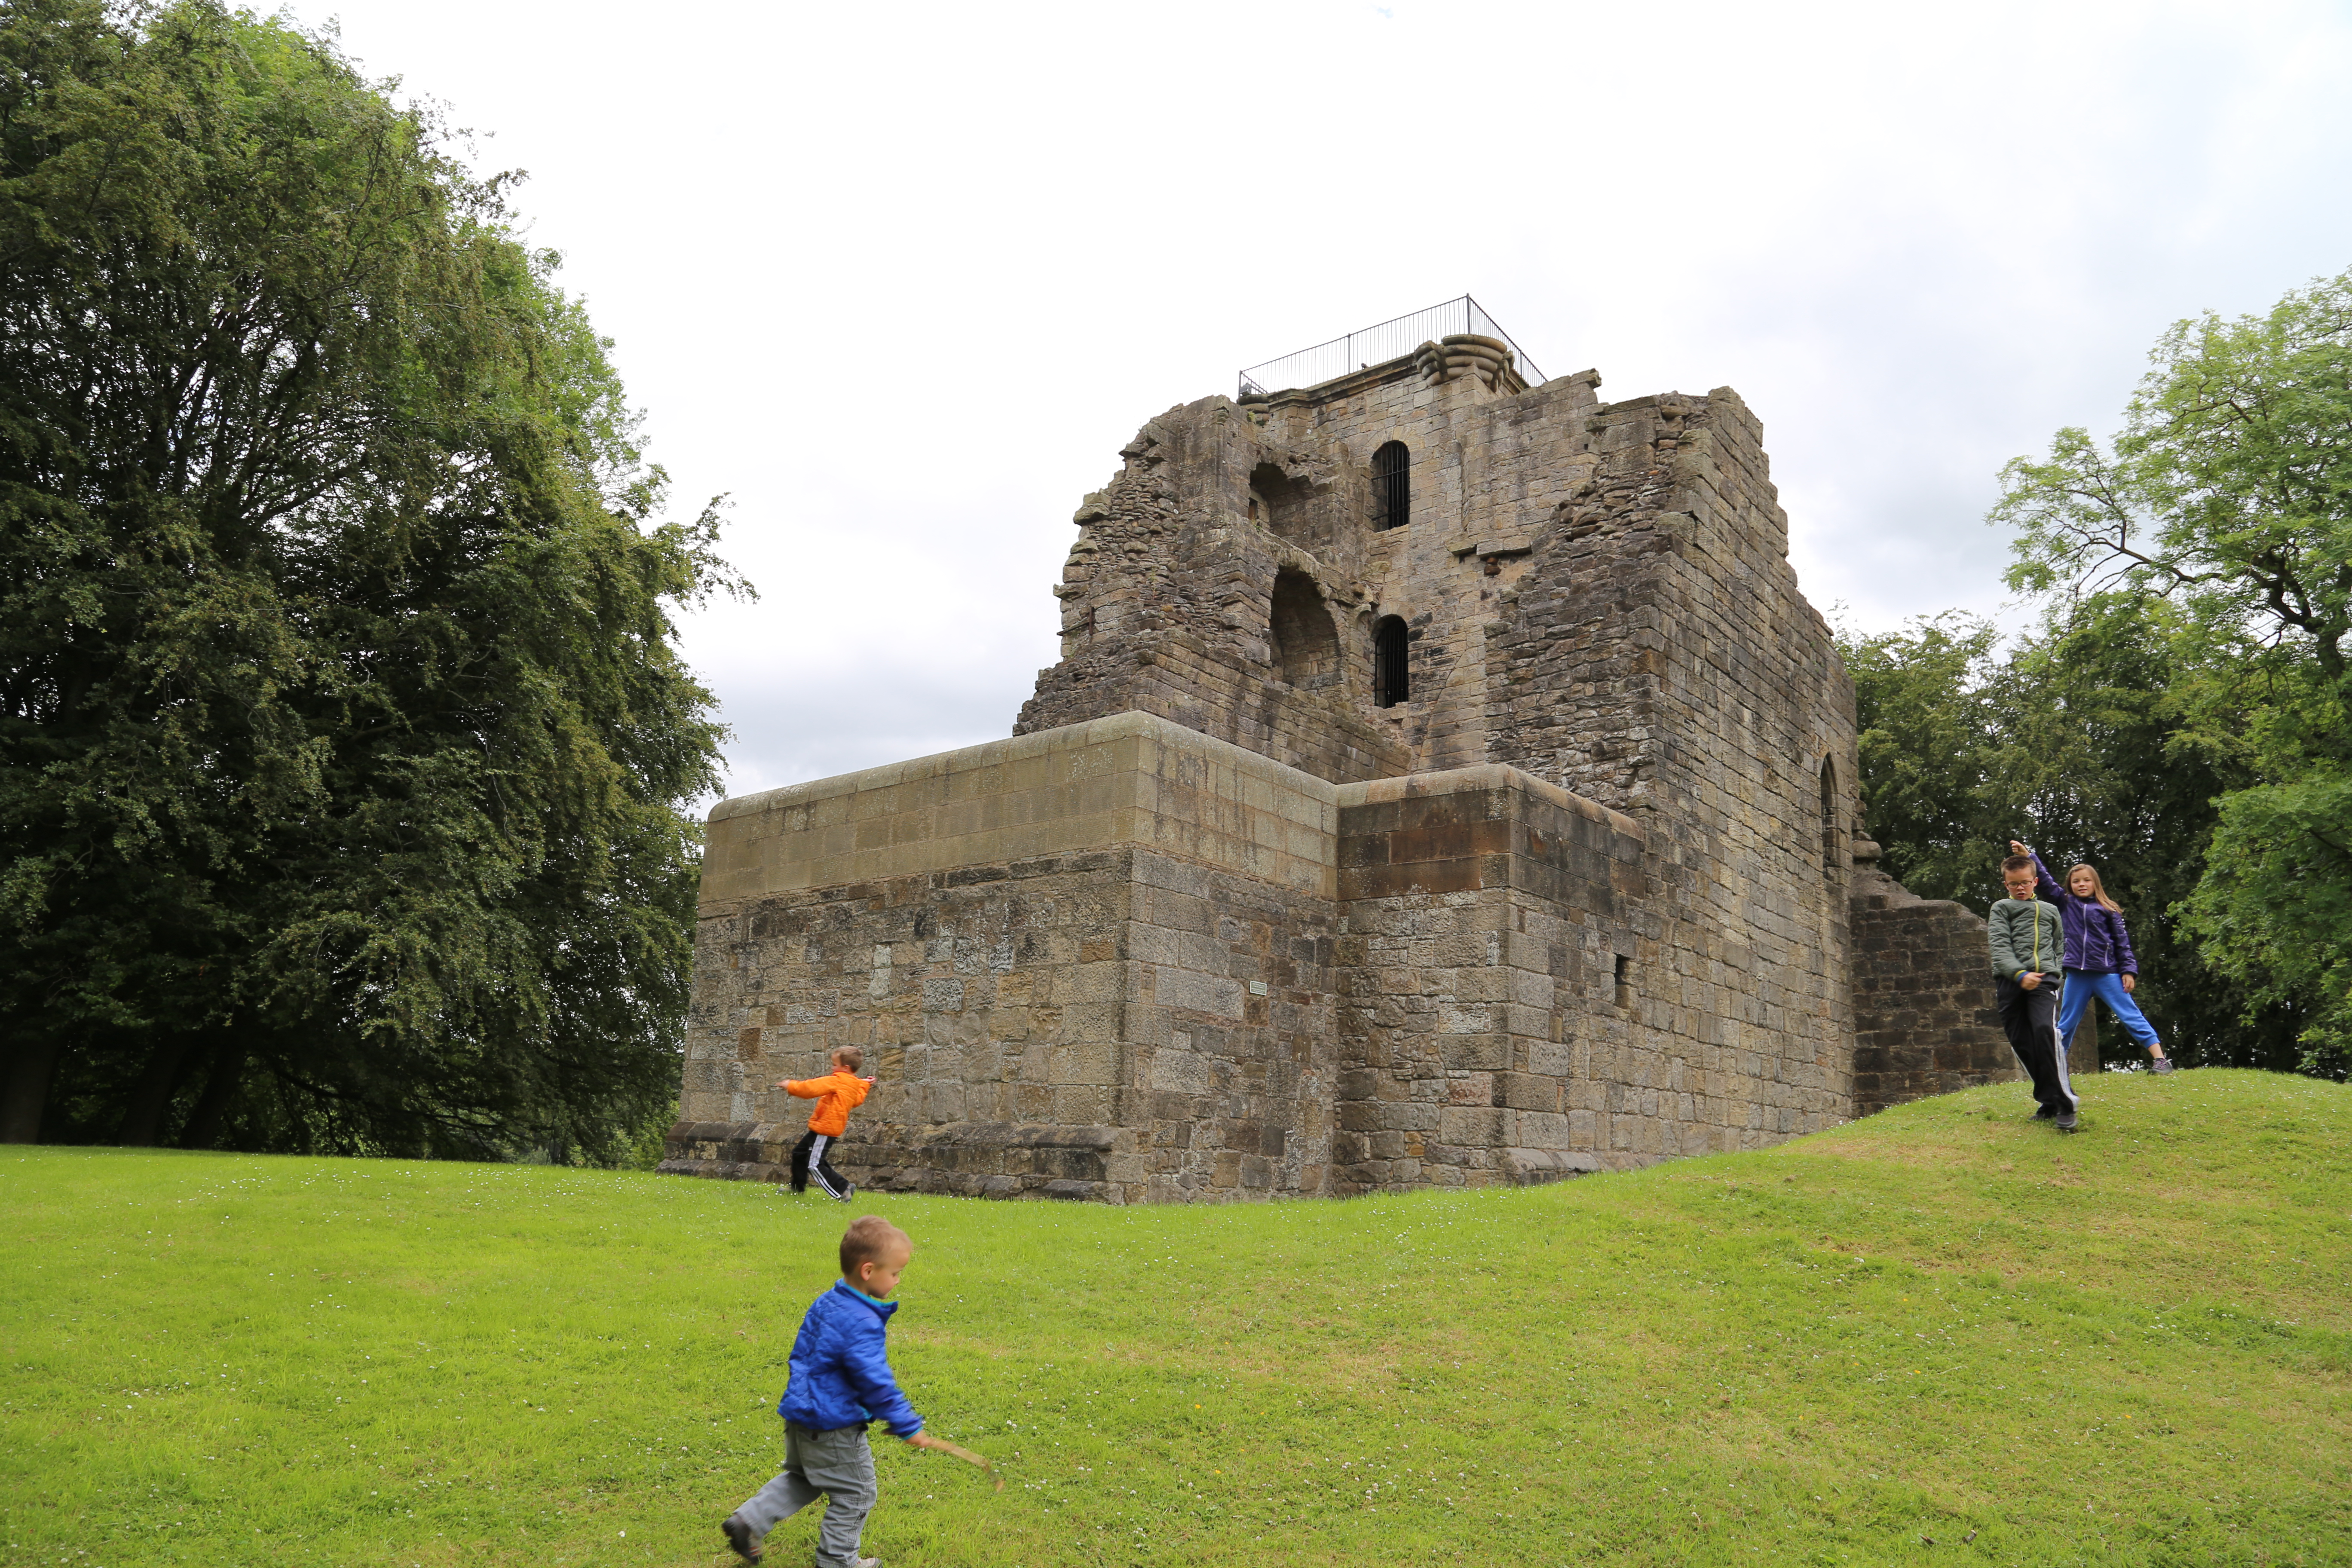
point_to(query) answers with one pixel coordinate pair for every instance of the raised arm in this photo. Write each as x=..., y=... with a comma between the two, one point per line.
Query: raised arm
x=2047, y=885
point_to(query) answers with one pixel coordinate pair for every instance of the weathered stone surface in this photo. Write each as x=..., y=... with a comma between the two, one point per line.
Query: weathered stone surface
x=1925, y=1021
x=1216, y=923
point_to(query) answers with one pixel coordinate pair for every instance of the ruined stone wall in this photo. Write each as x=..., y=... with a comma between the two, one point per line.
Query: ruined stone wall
x=1124, y=960
x=1217, y=924
x=1925, y=1020
x=1658, y=659
x=1168, y=596
x=1099, y=957
x=1486, y=1038
x=1489, y=459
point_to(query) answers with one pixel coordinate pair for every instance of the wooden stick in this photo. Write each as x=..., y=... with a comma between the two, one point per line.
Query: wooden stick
x=969, y=1458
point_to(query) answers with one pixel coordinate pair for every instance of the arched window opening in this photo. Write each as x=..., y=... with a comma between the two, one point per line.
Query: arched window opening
x=1391, y=486
x=1306, y=644
x=1391, y=675
x=1831, y=849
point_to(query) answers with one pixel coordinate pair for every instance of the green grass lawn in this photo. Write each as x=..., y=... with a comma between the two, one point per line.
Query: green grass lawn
x=1946, y=1322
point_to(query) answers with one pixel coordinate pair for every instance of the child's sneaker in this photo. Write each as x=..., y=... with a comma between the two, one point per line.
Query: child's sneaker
x=2044, y=1112
x=738, y=1536
x=2162, y=1064
x=2066, y=1120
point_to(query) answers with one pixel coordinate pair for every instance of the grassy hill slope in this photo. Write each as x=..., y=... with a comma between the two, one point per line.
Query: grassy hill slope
x=1945, y=1323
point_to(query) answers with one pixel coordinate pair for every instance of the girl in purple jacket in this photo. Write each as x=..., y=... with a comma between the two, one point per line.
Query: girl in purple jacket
x=2099, y=961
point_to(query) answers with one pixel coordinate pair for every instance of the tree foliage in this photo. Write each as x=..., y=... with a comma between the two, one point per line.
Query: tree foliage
x=344, y=745
x=2229, y=490
x=2072, y=741
x=2224, y=510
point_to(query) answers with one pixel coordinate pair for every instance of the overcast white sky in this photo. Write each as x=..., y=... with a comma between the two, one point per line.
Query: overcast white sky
x=902, y=278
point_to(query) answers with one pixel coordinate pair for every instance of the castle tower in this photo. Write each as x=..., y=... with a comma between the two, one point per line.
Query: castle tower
x=1443, y=782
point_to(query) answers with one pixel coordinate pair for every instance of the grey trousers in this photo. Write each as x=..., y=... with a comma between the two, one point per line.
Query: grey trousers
x=836, y=1465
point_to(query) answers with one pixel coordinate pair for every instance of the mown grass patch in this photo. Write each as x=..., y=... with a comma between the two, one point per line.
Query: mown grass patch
x=1945, y=1323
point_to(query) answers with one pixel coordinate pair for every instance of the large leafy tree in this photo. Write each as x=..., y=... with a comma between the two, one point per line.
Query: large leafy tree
x=2227, y=497
x=2070, y=739
x=344, y=750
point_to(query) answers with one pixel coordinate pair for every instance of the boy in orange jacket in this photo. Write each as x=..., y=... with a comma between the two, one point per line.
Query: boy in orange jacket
x=836, y=1094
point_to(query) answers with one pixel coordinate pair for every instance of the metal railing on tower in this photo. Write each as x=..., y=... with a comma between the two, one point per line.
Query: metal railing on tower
x=1373, y=345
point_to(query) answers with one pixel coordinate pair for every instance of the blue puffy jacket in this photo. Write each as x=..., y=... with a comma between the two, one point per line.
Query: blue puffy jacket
x=841, y=1368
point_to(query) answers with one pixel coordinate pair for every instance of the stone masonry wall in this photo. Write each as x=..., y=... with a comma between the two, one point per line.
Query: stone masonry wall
x=1657, y=657
x=1486, y=1037
x=1113, y=1025
x=1097, y=957
x=1925, y=1021
x=1167, y=597
x=1213, y=977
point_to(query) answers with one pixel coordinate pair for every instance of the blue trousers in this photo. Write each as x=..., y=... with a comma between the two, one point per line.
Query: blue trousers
x=2081, y=986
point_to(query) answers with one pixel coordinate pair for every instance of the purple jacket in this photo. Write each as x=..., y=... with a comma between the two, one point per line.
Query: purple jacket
x=2097, y=942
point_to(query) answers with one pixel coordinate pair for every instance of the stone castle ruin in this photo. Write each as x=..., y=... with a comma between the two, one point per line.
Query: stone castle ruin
x=1443, y=782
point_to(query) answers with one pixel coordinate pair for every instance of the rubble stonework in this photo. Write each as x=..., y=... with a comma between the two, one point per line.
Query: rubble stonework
x=1215, y=922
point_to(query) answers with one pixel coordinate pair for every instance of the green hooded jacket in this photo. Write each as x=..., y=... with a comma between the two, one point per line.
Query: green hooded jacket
x=2028, y=938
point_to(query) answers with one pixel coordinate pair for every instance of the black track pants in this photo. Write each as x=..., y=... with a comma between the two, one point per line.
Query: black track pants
x=2031, y=1020
x=809, y=1161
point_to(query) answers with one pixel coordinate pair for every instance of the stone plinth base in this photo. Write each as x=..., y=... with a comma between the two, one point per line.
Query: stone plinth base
x=977, y=1160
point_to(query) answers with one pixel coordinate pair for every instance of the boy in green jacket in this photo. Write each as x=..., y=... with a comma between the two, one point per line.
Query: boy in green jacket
x=2029, y=952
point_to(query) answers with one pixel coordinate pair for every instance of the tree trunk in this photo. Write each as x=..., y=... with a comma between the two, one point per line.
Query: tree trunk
x=31, y=1063
x=2082, y=1050
x=220, y=1088
x=143, y=1117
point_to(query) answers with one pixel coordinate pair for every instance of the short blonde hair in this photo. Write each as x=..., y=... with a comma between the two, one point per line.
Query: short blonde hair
x=850, y=1056
x=870, y=1239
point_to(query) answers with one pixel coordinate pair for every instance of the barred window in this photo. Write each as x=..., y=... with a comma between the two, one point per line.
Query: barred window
x=1391, y=486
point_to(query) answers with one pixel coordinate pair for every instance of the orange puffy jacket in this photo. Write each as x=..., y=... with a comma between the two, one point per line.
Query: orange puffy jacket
x=836, y=1093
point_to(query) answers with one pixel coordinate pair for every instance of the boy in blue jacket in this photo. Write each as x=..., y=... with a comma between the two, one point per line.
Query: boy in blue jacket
x=840, y=1380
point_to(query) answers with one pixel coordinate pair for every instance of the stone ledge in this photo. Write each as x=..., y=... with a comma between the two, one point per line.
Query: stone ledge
x=1533, y=1167
x=1014, y=1135
x=1484, y=776
x=983, y=1159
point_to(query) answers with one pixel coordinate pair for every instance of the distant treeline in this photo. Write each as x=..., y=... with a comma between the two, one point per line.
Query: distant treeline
x=2181, y=717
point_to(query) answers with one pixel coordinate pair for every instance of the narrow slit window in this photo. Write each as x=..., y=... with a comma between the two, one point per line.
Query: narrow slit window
x=1392, y=672
x=1391, y=486
x=1830, y=846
